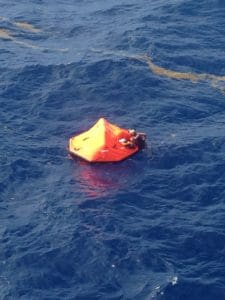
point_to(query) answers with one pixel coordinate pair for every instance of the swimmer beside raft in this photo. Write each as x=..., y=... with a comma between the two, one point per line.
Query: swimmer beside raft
x=106, y=142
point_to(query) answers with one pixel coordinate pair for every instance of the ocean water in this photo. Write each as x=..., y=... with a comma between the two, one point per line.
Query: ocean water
x=150, y=227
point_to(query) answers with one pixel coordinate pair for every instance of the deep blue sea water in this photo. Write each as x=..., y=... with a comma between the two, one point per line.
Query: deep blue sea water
x=150, y=227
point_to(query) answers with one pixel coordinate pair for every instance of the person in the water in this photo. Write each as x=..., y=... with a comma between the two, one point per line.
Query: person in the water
x=136, y=139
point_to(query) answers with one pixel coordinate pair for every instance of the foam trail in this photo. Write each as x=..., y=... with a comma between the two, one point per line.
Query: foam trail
x=27, y=26
x=23, y=25
x=179, y=75
x=7, y=35
x=214, y=80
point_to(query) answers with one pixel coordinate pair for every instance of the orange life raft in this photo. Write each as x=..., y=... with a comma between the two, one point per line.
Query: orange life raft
x=101, y=143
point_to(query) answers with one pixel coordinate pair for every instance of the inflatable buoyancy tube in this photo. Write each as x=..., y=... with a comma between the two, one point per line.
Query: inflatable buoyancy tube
x=101, y=143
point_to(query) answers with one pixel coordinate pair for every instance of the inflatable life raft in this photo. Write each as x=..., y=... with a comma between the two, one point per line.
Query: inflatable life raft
x=101, y=143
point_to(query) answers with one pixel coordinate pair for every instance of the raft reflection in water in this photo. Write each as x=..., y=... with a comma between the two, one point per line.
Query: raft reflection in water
x=97, y=181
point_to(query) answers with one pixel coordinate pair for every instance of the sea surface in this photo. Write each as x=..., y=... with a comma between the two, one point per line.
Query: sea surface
x=149, y=227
